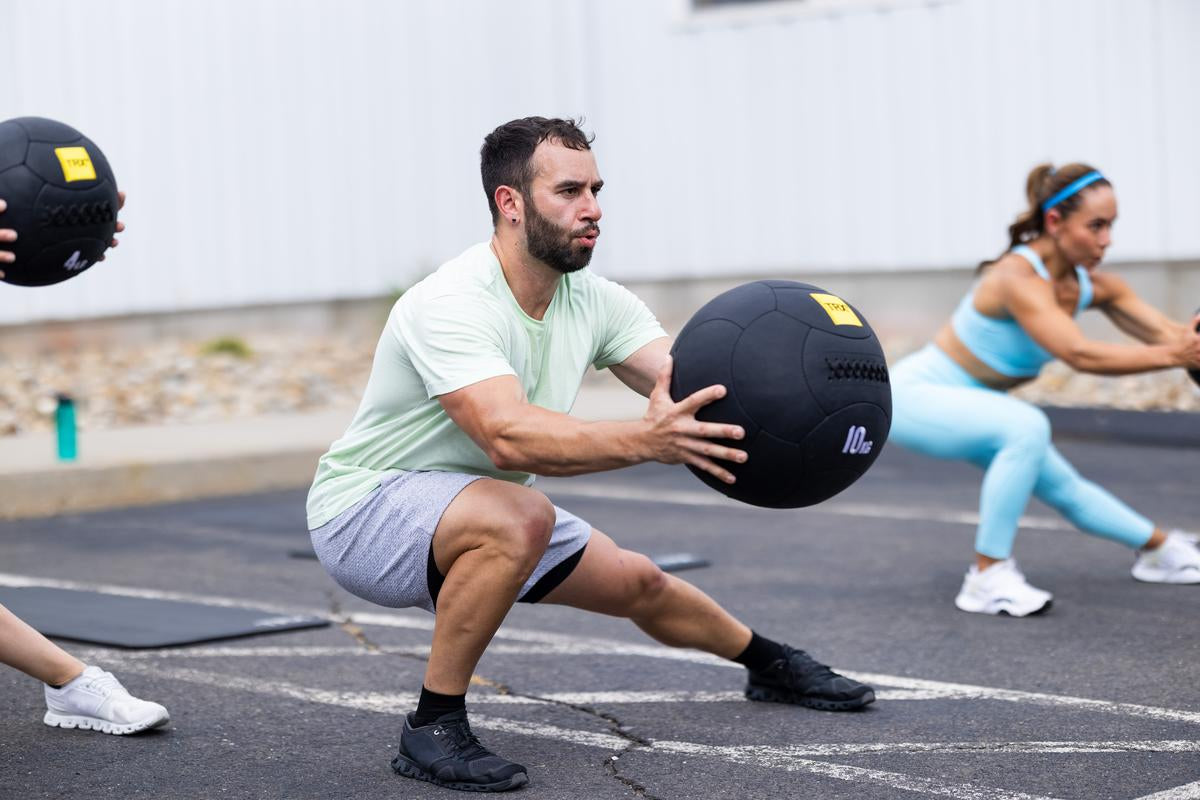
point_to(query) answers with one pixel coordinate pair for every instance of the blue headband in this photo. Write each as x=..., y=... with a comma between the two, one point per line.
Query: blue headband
x=1070, y=189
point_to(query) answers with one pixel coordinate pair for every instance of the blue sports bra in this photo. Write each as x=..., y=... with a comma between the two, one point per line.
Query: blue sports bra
x=1003, y=344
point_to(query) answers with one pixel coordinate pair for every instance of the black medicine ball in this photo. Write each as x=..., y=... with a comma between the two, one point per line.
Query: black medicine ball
x=62, y=200
x=806, y=379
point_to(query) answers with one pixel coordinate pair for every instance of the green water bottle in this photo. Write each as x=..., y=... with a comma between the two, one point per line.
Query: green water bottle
x=64, y=420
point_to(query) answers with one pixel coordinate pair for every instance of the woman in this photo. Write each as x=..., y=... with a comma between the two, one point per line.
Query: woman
x=950, y=398
x=77, y=695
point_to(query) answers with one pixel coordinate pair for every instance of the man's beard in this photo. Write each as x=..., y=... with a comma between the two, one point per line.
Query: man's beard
x=555, y=246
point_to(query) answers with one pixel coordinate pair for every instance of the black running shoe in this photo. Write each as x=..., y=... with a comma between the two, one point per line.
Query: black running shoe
x=445, y=752
x=798, y=678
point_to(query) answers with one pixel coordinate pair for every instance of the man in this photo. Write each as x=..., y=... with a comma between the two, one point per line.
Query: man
x=426, y=500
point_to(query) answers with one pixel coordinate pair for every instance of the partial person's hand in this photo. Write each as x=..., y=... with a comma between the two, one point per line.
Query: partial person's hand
x=677, y=437
x=6, y=235
x=120, y=225
x=1193, y=344
x=1189, y=346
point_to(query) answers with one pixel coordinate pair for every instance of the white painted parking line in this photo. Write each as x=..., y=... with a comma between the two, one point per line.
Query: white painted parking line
x=519, y=641
x=566, y=644
x=603, y=491
x=104, y=655
x=968, y=691
x=796, y=758
x=771, y=758
x=1189, y=791
x=853, y=749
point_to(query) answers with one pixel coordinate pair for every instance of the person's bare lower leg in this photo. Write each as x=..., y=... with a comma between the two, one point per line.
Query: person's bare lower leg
x=24, y=648
x=683, y=616
x=621, y=583
x=478, y=592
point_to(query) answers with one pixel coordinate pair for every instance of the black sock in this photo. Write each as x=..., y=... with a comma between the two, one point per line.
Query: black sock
x=433, y=705
x=760, y=653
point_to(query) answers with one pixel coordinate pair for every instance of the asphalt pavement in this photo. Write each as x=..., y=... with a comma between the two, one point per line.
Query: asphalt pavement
x=1098, y=698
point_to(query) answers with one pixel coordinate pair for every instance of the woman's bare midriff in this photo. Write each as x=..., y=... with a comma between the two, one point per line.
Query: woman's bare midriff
x=952, y=346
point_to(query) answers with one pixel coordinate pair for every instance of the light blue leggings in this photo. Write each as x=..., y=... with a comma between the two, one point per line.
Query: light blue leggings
x=940, y=410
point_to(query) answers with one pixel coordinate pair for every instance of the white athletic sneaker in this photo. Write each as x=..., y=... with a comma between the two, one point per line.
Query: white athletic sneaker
x=1000, y=589
x=97, y=701
x=1177, y=560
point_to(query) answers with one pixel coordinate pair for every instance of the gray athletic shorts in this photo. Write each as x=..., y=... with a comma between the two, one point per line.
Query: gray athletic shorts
x=379, y=549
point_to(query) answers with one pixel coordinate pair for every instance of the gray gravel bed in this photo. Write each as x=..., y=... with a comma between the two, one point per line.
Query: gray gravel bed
x=181, y=381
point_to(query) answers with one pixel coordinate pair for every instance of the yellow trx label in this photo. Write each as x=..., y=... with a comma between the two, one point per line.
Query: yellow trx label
x=76, y=164
x=837, y=309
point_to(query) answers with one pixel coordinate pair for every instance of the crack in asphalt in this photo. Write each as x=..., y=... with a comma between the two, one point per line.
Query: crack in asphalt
x=611, y=762
x=356, y=632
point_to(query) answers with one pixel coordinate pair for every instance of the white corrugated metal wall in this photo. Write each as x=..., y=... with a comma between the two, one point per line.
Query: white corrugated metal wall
x=281, y=150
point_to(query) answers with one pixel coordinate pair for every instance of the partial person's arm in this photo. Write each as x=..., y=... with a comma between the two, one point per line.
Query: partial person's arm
x=1031, y=301
x=519, y=436
x=1133, y=315
x=640, y=370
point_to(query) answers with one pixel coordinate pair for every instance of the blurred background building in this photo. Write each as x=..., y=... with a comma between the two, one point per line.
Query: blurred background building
x=294, y=164
x=307, y=151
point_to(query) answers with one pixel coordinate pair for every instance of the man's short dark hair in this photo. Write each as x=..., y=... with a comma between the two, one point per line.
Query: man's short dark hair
x=507, y=152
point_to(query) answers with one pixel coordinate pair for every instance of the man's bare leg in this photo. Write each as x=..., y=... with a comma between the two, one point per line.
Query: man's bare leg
x=622, y=583
x=487, y=544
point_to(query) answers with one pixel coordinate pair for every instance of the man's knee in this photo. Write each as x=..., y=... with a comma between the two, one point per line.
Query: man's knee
x=645, y=583
x=523, y=532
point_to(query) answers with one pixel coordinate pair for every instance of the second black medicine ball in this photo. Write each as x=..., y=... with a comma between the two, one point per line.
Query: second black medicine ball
x=62, y=200
x=806, y=379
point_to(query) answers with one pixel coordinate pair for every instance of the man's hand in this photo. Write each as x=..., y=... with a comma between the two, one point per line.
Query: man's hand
x=677, y=437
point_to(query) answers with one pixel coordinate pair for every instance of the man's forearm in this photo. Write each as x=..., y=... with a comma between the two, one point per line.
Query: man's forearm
x=546, y=442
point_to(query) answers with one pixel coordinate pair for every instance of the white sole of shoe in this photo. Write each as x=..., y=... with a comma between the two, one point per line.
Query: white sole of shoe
x=56, y=720
x=1181, y=577
x=974, y=605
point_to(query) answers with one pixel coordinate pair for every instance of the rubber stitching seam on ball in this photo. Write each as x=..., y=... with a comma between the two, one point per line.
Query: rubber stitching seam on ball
x=853, y=369
x=731, y=390
x=77, y=214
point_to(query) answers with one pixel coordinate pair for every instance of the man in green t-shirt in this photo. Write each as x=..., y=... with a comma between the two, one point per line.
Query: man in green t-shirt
x=427, y=499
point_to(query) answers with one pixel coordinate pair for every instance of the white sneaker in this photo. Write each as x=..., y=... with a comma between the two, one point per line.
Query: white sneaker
x=1177, y=560
x=97, y=701
x=1001, y=589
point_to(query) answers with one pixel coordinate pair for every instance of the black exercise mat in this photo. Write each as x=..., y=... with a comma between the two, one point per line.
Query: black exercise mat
x=120, y=621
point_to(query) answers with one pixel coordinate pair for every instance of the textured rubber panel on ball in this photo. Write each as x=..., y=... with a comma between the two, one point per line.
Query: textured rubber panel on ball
x=770, y=476
x=842, y=448
x=741, y=306
x=39, y=129
x=769, y=378
x=44, y=162
x=705, y=357
x=796, y=300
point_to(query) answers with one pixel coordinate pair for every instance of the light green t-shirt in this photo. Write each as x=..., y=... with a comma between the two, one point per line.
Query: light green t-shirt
x=459, y=326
